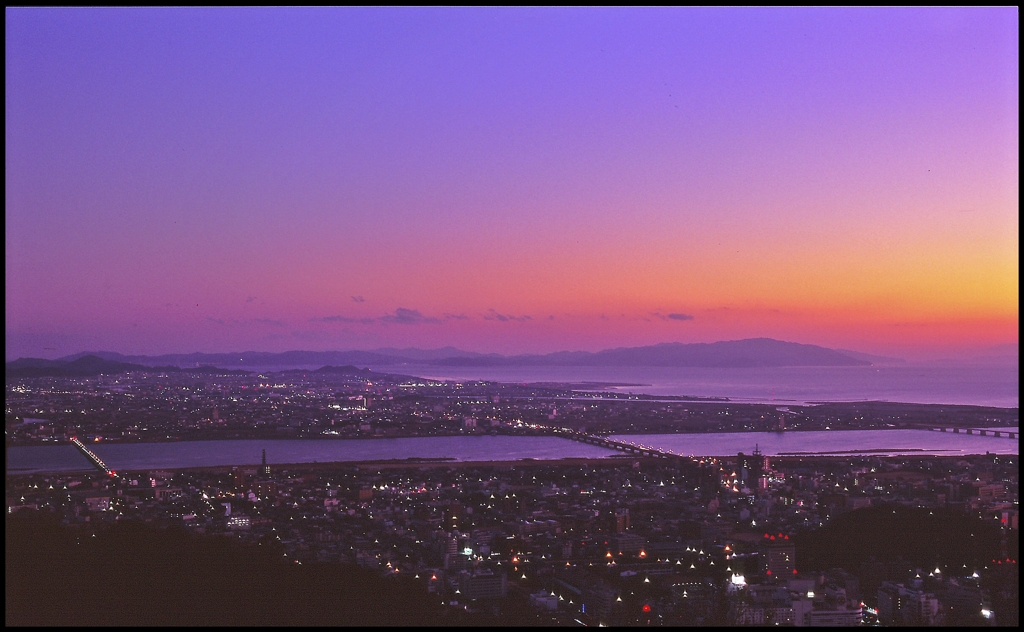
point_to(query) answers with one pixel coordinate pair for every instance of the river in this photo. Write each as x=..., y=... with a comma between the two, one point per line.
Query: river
x=182, y=454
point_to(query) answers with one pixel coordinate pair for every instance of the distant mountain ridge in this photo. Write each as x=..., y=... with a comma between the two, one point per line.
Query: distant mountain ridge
x=754, y=352
x=750, y=353
x=92, y=365
x=251, y=358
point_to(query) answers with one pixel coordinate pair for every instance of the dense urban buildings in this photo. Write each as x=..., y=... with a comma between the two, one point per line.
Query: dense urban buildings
x=736, y=539
x=347, y=402
x=342, y=316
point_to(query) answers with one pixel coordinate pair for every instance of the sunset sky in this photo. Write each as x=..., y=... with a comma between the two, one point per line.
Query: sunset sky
x=510, y=179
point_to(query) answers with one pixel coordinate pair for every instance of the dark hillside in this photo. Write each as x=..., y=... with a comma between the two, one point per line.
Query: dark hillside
x=134, y=574
x=925, y=538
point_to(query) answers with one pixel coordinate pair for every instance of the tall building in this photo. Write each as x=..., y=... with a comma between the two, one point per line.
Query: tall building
x=240, y=478
x=899, y=605
x=596, y=598
x=779, y=556
x=483, y=584
x=752, y=469
x=628, y=543
x=621, y=520
x=761, y=605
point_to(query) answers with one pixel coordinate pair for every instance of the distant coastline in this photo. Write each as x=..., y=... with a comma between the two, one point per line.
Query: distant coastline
x=751, y=352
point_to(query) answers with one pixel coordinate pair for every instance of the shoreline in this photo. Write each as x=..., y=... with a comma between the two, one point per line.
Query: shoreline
x=540, y=433
x=614, y=460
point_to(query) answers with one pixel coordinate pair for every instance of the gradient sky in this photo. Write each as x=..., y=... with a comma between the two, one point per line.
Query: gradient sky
x=511, y=180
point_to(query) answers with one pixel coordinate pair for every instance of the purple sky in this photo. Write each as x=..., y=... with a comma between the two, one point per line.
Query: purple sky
x=511, y=180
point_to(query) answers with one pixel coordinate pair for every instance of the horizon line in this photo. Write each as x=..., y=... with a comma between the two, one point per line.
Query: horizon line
x=994, y=349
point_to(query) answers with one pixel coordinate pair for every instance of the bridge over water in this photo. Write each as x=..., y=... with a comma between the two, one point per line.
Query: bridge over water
x=95, y=460
x=983, y=432
x=621, y=446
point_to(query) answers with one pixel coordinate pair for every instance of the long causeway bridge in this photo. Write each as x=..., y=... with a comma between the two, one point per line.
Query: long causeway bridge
x=621, y=446
x=642, y=450
x=95, y=460
x=984, y=432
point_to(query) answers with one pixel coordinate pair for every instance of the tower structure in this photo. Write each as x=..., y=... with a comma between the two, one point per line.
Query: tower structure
x=264, y=468
x=753, y=470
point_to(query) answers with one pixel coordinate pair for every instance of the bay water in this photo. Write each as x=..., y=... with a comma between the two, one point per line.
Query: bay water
x=982, y=385
x=182, y=454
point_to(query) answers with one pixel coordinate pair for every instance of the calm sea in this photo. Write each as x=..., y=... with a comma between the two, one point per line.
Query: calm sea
x=978, y=386
x=836, y=442
x=136, y=456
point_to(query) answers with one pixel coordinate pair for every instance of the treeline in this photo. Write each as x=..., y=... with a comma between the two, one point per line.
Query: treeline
x=135, y=574
x=923, y=537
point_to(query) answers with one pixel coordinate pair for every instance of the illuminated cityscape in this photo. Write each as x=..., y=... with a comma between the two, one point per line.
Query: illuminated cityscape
x=512, y=316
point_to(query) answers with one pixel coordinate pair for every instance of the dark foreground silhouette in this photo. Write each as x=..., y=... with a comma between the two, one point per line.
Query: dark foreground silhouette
x=921, y=536
x=134, y=574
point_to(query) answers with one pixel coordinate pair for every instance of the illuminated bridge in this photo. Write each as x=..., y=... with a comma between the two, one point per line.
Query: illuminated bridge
x=622, y=446
x=95, y=460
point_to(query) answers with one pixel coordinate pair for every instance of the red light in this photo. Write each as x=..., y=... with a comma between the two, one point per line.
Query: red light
x=786, y=537
x=647, y=608
x=769, y=572
x=794, y=571
x=773, y=537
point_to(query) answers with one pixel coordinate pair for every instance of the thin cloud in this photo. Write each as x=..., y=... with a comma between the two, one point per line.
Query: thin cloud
x=403, y=316
x=504, y=318
x=674, y=316
x=456, y=317
x=358, y=299
x=343, y=319
x=251, y=321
